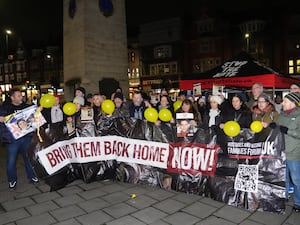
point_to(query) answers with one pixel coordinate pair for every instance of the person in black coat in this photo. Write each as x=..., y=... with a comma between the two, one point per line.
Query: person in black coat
x=14, y=146
x=238, y=112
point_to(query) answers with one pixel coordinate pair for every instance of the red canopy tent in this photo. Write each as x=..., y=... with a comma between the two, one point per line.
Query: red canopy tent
x=241, y=71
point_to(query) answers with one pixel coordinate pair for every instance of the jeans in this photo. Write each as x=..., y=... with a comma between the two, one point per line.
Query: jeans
x=12, y=150
x=292, y=172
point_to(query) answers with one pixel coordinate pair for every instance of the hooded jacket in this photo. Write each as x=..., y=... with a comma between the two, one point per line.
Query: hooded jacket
x=292, y=138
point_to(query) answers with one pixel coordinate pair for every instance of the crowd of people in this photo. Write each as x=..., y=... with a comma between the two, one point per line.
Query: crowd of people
x=209, y=112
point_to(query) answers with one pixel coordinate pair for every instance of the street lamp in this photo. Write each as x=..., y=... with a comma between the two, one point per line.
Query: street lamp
x=7, y=33
x=247, y=37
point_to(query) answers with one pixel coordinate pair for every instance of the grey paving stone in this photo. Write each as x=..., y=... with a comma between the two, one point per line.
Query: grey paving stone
x=268, y=218
x=69, y=190
x=116, y=197
x=212, y=202
x=68, y=200
x=138, y=190
x=160, y=194
x=169, y=206
x=93, y=204
x=250, y=222
x=7, y=196
x=13, y=216
x=94, y=193
x=46, y=196
x=68, y=222
x=212, y=220
x=67, y=212
x=44, y=188
x=141, y=201
x=94, y=218
x=293, y=219
x=110, y=188
x=16, y=204
x=159, y=222
x=233, y=214
x=126, y=220
x=90, y=186
x=180, y=218
x=199, y=209
x=149, y=215
x=30, y=192
x=186, y=198
x=41, y=208
x=119, y=210
x=43, y=219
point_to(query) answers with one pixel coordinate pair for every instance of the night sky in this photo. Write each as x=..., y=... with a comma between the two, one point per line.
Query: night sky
x=36, y=21
x=40, y=22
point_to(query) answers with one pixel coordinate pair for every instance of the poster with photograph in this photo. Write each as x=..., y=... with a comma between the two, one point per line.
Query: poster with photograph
x=186, y=125
x=217, y=90
x=70, y=123
x=197, y=89
x=24, y=121
x=87, y=114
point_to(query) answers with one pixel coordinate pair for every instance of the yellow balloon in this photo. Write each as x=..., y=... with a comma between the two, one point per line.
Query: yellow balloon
x=256, y=126
x=232, y=128
x=108, y=106
x=165, y=115
x=47, y=101
x=69, y=108
x=177, y=105
x=151, y=115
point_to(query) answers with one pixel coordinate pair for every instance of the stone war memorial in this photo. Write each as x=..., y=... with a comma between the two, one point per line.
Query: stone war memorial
x=94, y=44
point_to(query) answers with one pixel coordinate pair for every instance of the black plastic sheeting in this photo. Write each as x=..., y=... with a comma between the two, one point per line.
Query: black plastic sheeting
x=271, y=178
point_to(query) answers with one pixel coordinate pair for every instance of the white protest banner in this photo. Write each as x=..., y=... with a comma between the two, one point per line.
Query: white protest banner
x=90, y=149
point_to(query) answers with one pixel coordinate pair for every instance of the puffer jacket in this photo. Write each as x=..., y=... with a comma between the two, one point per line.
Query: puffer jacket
x=292, y=138
x=5, y=135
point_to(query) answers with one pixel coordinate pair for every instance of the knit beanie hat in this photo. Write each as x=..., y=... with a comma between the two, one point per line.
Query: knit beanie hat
x=297, y=84
x=265, y=96
x=119, y=95
x=293, y=97
x=216, y=98
x=82, y=89
x=78, y=100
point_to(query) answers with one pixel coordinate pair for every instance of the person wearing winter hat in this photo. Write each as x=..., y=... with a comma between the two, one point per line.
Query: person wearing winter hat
x=119, y=95
x=78, y=100
x=216, y=98
x=265, y=110
x=122, y=109
x=80, y=91
x=289, y=124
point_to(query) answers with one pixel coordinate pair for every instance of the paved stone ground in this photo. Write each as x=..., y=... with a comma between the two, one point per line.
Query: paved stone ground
x=108, y=202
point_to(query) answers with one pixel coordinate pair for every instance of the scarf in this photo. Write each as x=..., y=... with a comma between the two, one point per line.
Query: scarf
x=212, y=116
x=56, y=114
x=287, y=112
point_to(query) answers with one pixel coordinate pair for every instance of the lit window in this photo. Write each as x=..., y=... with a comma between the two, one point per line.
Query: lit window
x=291, y=63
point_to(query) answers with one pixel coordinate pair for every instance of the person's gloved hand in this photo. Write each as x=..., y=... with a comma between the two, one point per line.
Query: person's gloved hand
x=283, y=129
x=273, y=125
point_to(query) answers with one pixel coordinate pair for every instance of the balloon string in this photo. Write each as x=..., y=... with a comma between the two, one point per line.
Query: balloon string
x=37, y=119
